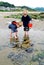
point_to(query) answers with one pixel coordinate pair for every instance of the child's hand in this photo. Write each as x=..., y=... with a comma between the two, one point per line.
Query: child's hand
x=20, y=24
x=17, y=25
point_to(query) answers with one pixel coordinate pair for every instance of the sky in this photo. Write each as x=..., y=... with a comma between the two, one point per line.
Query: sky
x=29, y=3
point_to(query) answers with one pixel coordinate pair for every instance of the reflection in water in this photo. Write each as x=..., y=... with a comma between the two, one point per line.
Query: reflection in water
x=35, y=37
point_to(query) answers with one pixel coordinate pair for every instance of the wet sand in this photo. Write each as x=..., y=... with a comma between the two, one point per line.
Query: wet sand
x=36, y=35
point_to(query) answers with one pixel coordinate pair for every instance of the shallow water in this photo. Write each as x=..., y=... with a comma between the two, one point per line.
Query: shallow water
x=36, y=37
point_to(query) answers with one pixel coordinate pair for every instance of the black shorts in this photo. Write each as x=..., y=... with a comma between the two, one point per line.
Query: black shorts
x=26, y=28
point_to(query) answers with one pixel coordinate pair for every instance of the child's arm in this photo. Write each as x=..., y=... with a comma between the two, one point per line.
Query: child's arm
x=19, y=24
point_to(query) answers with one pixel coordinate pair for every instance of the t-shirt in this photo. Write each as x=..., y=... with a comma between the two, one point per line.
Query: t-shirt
x=25, y=20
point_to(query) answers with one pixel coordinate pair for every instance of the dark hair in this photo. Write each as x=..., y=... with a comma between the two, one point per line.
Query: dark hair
x=13, y=22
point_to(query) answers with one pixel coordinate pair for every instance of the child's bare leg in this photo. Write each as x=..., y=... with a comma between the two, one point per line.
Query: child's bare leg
x=11, y=35
x=27, y=33
x=24, y=33
x=15, y=35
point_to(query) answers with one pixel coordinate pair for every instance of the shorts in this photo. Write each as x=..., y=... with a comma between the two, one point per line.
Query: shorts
x=14, y=30
x=26, y=28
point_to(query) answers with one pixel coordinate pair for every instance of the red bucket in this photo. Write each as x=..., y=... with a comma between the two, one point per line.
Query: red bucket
x=30, y=25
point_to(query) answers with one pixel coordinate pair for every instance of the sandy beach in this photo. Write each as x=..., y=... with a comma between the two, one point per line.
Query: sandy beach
x=36, y=35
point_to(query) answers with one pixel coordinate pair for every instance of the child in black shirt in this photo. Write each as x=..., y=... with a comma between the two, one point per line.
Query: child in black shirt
x=26, y=20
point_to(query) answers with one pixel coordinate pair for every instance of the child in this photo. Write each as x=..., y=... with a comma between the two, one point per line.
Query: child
x=13, y=26
x=25, y=20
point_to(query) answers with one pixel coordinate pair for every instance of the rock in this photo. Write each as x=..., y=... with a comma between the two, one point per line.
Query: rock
x=11, y=54
x=31, y=44
x=12, y=45
x=29, y=50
